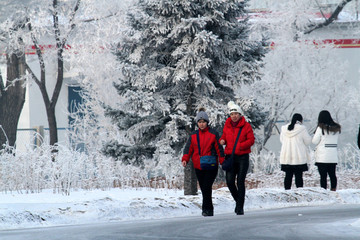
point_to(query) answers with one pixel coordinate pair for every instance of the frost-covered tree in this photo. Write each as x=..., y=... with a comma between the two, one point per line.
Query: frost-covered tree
x=61, y=32
x=301, y=74
x=178, y=56
x=47, y=27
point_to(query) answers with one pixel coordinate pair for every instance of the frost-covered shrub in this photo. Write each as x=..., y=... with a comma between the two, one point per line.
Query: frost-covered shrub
x=349, y=158
x=64, y=170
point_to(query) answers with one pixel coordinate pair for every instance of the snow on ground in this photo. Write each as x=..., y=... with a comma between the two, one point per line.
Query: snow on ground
x=49, y=209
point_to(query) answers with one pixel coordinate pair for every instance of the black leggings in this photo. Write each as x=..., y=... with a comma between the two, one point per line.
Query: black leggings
x=324, y=170
x=289, y=173
x=240, y=168
x=206, y=179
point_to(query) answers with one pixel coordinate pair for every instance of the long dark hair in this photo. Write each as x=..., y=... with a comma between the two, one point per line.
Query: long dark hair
x=325, y=122
x=296, y=117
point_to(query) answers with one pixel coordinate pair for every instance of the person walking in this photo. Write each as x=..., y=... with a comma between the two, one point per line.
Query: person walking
x=294, y=154
x=326, y=139
x=238, y=137
x=205, y=151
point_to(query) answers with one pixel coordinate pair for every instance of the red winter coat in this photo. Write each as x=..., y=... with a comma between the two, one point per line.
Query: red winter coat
x=246, y=139
x=209, y=145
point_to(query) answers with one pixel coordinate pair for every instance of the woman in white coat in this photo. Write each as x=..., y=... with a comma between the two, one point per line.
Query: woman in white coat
x=294, y=154
x=326, y=139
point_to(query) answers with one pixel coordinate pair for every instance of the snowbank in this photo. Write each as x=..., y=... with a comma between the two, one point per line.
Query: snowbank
x=48, y=209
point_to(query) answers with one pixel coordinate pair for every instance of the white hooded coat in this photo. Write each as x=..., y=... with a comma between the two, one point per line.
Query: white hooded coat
x=326, y=146
x=294, y=150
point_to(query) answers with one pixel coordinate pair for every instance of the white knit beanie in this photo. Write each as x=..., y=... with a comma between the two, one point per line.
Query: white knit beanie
x=233, y=107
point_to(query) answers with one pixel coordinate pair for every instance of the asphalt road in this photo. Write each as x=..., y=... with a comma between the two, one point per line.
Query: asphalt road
x=324, y=222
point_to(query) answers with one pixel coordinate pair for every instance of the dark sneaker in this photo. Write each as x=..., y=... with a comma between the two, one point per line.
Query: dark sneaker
x=208, y=213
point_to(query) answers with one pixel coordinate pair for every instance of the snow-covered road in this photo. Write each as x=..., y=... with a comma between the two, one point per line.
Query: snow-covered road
x=321, y=222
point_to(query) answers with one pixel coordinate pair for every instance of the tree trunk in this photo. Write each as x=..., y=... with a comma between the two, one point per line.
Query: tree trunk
x=50, y=108
x=190, y=180
x=268, y=129
x=50, y=111
x=50, y=104
x=12, y=98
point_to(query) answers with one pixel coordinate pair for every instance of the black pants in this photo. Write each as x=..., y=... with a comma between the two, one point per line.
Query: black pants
x=289, y=173
x=206, y=179
x=239, y=170
x=324, y=170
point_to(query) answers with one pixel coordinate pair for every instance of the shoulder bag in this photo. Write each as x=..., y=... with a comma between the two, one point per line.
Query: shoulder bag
x=206, y=162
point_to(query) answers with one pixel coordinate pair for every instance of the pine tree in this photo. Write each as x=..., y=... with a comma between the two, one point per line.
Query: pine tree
x=179, y=55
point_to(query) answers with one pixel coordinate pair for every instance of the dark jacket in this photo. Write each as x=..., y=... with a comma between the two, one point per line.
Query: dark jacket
x=246, y=139
x=209, y=145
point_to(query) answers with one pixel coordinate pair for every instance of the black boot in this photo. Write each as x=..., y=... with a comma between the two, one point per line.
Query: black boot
x=239, y=210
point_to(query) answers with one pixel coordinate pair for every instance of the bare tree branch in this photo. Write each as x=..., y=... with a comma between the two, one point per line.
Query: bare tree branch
x=332, y=18
x=96, y=19
x=32, y=74
x=39, y=54
x=60, y=44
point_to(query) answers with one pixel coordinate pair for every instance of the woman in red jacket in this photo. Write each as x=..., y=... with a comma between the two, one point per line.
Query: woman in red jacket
x=233, y=125
x=206, y=159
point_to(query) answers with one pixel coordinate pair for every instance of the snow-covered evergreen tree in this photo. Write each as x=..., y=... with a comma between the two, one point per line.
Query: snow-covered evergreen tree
x=179, y=55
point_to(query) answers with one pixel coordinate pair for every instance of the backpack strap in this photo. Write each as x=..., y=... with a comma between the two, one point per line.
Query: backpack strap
x=198, y=140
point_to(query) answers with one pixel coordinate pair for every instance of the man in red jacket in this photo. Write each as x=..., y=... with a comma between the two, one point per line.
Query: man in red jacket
x=235, y=123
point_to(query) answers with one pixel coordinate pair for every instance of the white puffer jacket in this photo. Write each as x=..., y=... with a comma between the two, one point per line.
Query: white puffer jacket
x=294, y=150
x=326, y=146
